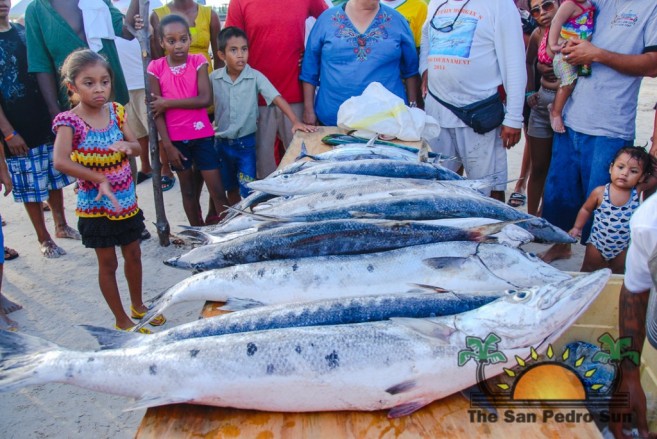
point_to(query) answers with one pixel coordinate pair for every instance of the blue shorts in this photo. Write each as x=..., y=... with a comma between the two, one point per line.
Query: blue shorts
x=579, y=164
x=199, y=152
x=238, y=162
x=34, y=175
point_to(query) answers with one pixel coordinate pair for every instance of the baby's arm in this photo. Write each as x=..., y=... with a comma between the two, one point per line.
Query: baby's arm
x=287, y=110
x=202, y=100
x=586, y=211
x=565, y=11
x=63, y=163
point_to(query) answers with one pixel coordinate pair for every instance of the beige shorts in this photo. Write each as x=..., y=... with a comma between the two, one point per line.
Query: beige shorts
x=137, y=113
x=539, y=117
x=482, y=155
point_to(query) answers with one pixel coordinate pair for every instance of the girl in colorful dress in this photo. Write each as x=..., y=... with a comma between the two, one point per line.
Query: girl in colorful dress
x=93, y=142
x=613, y=205
x=181, y=92
x=574, y=19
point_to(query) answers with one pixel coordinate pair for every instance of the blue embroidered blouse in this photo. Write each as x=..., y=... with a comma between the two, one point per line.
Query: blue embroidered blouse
x=345, y=62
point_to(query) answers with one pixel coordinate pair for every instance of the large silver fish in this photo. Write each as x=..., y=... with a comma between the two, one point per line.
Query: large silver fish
x=252, y=316
x=459, y=266
x=321, y=238
x=400, y=365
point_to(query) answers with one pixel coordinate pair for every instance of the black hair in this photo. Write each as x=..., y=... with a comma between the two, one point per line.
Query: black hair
x=230, y=32
x=646, y=161
x=170, y=19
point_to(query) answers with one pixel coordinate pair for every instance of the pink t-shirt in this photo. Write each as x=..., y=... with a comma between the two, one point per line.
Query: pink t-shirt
x=276, y=32
x=180, y=82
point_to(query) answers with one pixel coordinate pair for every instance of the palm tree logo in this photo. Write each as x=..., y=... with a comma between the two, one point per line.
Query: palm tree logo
x=484, y=352
x=615, y=352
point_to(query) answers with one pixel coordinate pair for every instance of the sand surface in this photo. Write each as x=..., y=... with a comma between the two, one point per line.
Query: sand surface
x=60, y=294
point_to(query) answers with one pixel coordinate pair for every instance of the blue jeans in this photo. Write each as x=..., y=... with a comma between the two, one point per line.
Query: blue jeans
x=580, y=163
x=238, y=162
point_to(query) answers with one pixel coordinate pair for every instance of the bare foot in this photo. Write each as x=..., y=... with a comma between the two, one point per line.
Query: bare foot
x=9, y=306
x=557, y=251
x=556, y=121
x=67, y=232
x=51, y=250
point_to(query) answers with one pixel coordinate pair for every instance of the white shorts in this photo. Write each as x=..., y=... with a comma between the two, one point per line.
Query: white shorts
x=482, y=155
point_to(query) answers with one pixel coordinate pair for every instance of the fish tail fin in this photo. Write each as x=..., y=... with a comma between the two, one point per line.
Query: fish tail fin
x=304, y=153
x=21, y=356
x=196, y=237
x=237, y=304
x=157, y=306
x=111, y=338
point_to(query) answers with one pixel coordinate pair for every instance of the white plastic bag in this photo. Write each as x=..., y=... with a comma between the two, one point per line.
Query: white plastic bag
x=379, y=111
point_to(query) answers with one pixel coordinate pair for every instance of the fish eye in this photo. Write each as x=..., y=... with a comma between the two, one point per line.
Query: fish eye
x=532, y=257
x=510, y=292
x=521, y=294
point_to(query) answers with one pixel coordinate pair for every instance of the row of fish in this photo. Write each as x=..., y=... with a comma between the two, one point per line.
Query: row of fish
x=354, y=280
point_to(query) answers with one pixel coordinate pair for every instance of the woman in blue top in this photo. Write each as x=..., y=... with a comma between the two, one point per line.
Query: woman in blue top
x=351, y=46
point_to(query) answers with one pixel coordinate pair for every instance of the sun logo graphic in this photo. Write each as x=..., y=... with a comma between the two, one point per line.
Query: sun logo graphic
x=580, y=376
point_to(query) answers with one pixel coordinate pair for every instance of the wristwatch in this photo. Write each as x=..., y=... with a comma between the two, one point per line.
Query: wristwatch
x=412, y=104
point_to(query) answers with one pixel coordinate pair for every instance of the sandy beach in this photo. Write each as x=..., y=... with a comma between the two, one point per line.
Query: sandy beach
x=60, y=294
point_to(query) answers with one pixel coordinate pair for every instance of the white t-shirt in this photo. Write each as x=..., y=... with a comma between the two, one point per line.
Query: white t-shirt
x=605, y=103
x=643, y=231
x=485, y=49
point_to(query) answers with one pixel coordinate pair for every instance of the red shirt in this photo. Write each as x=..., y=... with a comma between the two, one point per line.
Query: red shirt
x=276, y=32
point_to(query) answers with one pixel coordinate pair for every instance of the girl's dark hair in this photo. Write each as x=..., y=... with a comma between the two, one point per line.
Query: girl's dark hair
x=170, y=19
x=230, y=32
x=79, y=60
x=646, y=161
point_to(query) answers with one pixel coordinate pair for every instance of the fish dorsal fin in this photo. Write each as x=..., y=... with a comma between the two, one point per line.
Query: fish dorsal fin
x=406, y=409
x=110, y=338
x=153, y=401
x=435, y=289
x=445, y=262
x=428, y=327
x=237, y=304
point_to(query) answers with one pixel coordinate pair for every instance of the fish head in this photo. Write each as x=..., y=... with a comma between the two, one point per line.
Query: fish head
x=199, y=259
x=535, y=316
x=518, y=267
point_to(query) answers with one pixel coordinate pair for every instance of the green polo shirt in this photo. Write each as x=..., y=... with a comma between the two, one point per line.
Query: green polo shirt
x=50, y=40
x=236, y=103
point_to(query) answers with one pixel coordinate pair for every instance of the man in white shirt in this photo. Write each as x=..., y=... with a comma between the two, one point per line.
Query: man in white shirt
x=469, y=48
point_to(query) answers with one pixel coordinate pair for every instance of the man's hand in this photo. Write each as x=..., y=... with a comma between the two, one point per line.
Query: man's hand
x=510, y=136
x=580, y=52
x=631, y=386
x=424, y=85
x=5, y=180
x=17, y=145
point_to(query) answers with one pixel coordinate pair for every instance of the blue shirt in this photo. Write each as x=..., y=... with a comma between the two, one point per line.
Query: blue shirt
x=346, y=62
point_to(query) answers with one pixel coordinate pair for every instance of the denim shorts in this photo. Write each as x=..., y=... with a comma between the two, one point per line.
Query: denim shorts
x=34, y=175
x=580, y=163
x=200, y=152
x=238, y=162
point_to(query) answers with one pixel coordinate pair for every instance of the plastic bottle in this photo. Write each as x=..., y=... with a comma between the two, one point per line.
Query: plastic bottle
x=584, y=70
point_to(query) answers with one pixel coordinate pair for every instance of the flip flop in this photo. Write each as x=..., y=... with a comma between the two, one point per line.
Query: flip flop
x=167, y=182
x=142, y=177
x=51, y=250
x=158, y=320
x=68, y=233
x=10, y=254
x=517, y=199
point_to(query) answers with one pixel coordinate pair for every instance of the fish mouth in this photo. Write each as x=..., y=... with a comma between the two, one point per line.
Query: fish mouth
x=580, y=289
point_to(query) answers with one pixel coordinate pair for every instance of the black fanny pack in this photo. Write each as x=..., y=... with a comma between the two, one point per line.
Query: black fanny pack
x=482, y=116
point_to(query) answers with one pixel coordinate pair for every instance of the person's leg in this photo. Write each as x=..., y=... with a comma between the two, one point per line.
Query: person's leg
x=445, y=144
x=132, y=270
x=284, y=125
x=521, y=184
x=189, y=200
x=6, y=305
x=563, y=195
x=617, y=264
x=206, y=160
x=144, y=159
x=483, y=156
x=62, y=229
x=246, y=169
x=556, y=110
x=48, y=247
x=540, y=151
x=593, y=260
x=107, y=265
x=212, y=180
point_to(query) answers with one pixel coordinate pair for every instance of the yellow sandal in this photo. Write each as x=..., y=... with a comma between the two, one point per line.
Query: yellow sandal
x=140, y=330
x=159, y=320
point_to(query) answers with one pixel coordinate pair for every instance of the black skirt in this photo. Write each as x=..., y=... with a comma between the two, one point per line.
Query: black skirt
x=102, y=232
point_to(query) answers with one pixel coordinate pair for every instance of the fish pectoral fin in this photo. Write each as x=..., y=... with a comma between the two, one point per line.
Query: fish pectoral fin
x=153, y=401
x=429, y=327
x=406, y=409
x=360, y=214
x=237, y=304
x=433, y=288
x=402, y=387
x=110, y=338
x=445, y=262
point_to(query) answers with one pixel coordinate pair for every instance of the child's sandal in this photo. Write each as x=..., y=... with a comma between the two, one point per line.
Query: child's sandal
x=158, y=320
x=130, y=329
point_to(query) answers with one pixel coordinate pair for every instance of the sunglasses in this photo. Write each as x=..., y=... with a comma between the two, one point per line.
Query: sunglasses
x=449, y=27
x=546, y=6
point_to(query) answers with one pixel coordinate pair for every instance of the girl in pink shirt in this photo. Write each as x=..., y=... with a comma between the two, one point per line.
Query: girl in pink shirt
x=181, y=94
